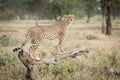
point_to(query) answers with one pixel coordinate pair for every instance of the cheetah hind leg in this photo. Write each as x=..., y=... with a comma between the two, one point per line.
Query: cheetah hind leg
x=33, y=56
x=33, y=51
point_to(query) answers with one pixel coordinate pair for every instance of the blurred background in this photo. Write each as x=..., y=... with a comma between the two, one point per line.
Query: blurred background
x=55, y=9
x=52, y=9
x=96, y=25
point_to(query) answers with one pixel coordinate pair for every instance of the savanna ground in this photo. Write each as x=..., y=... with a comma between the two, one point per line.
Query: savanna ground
x=101, y=63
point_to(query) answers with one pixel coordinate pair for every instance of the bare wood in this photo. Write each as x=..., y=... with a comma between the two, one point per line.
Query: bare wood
x=26, y=59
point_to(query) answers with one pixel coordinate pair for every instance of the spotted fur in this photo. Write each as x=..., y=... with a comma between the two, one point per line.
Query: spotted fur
x=50, y=32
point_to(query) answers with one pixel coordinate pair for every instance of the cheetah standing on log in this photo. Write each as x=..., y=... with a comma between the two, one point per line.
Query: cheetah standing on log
x=50, y=32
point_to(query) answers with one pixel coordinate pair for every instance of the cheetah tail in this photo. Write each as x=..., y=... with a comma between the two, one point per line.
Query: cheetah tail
x=16, y=49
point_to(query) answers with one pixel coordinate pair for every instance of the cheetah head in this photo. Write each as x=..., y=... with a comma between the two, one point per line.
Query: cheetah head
x=69, y=17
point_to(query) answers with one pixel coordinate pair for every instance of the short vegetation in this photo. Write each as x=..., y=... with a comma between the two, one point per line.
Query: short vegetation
x=102, y=63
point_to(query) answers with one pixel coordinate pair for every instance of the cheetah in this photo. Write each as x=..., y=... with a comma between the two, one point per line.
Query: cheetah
x=50, y=32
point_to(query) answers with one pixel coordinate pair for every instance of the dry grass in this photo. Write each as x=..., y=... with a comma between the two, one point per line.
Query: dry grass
x=96, y=65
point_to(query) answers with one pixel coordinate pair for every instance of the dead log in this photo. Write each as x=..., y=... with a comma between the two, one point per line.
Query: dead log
x=30, y=63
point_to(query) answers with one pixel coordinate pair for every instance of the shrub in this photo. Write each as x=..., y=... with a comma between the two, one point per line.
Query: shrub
x=91, y=37
x=7, y=15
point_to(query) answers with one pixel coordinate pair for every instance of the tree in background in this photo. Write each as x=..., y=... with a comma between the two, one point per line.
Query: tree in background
x=51, y=9
x=116, y=9
x=89, y=7
x=6, y=11
x=103, y=10
x=61, y=7
x=108, y=17
x=34, y=7
x=107, y=6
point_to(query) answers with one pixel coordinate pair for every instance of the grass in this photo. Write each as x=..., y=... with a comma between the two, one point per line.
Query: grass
x=6, y=42
x=9, y=68
x=117, y=21
x=97, y=65
x=5, y=29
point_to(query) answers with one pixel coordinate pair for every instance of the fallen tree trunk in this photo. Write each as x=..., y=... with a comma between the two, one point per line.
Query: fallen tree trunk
x=31, y=64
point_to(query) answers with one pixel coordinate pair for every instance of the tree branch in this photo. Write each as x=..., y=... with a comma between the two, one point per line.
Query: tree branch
x=26, y=59
x=30, y=63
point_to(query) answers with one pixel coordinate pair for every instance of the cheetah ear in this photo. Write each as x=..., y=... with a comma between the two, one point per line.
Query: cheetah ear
x=64, y=17
x=73, y=16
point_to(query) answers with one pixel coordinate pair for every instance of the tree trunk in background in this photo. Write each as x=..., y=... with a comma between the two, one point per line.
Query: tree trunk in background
x=88, y=19
x=36, y=22
x=108, y=18
x=36, y=18
x=103, y=8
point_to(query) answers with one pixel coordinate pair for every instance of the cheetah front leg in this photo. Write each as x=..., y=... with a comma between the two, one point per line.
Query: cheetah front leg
x=33, y=51
x=60, y=45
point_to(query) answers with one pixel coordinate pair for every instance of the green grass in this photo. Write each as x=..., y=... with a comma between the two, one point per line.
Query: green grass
x=93, y=66
x=11, y=21
x=116, y=31
x=117, y=22
x=7, y=30
x=5, y=42
x=96, y=67
x=9, y=67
